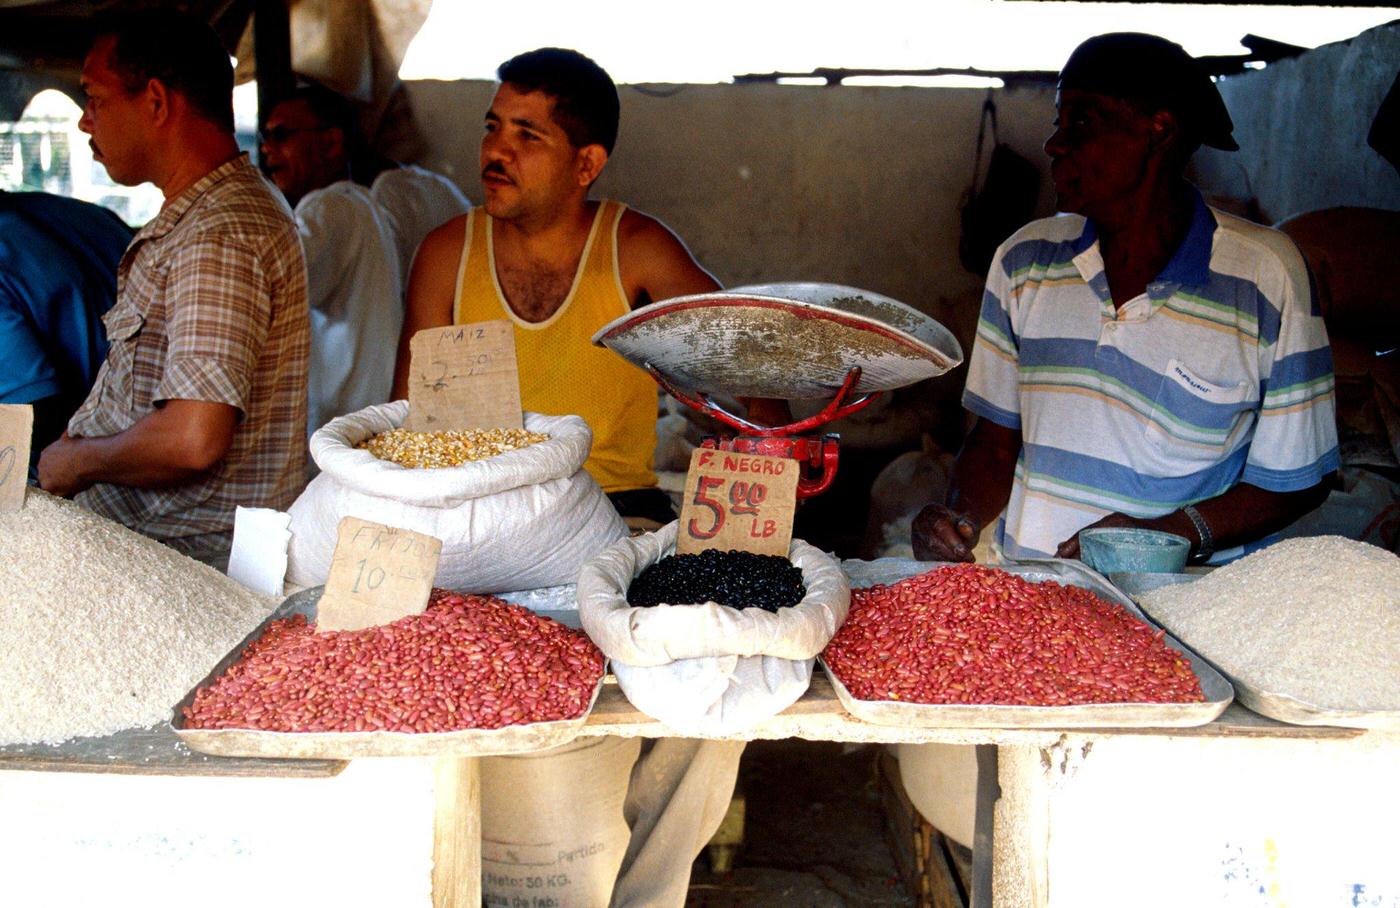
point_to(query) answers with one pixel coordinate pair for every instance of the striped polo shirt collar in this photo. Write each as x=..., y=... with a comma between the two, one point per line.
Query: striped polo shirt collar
x=1189, y=265
x=1089, y=263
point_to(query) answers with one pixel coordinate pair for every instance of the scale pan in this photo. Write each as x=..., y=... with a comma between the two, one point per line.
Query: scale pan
x=789, y=341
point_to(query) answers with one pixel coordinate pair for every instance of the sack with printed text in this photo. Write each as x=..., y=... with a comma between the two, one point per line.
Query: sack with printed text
x=520, y=520
x=708, y=669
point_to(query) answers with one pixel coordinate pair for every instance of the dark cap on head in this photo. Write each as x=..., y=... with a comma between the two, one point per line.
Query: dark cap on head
x=1157, y=73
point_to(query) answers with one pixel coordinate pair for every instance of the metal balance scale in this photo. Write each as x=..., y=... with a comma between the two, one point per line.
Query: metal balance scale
x=792, y=341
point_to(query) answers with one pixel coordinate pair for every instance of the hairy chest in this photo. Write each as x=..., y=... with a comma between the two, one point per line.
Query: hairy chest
x=537, y=290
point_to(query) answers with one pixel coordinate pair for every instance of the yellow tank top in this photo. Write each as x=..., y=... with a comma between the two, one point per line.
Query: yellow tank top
x=561, y=371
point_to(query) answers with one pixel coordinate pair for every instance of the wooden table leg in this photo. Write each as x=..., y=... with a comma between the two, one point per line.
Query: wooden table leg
x=988, y=792
x=457, y=833
x=1021, y=833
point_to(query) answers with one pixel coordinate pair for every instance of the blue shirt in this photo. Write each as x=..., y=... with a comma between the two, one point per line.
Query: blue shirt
x=58, y=275
x=1219, y=373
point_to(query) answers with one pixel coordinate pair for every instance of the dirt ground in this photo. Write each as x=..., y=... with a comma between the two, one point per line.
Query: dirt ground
x=813, y=837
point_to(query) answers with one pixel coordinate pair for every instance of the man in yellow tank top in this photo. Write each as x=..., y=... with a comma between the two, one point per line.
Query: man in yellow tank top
x=559, y=266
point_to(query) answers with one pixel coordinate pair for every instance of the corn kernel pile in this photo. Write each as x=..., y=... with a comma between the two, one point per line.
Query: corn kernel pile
x=429, y=450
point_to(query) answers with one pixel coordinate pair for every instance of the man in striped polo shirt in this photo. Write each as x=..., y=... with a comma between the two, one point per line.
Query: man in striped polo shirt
x=1143, y=360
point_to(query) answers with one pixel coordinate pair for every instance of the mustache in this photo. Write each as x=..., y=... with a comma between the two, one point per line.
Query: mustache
x=496, y=169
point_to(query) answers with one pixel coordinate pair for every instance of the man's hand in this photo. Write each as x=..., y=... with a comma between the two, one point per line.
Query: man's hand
x=1070, y=547
x=977, y=493
x=59, y=468
x=942, y=534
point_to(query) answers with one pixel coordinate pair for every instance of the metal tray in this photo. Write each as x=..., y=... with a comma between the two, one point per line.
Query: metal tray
x=1278, y=706
x=789, y=341
x=470, y=742
x=1216, y=689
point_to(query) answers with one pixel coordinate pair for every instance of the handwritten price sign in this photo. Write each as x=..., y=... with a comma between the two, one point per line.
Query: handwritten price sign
x=378, y=574
x=738, y=501
x=464, y=377
x=16, y=428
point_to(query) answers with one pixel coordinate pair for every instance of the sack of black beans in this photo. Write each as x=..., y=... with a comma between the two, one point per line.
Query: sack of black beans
x=702, y=666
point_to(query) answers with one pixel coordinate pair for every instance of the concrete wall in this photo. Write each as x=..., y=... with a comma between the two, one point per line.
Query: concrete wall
x=862, y=185
x=767, y=182
x=1301, y=125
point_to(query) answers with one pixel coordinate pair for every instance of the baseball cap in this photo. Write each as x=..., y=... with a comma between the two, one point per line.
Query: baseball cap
x=1159, y=73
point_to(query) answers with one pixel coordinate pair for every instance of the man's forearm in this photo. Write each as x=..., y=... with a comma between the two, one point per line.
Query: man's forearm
x=1243, y=514
x=137, y=457
x=168, y=446
x=399, y=388
x=980, y=484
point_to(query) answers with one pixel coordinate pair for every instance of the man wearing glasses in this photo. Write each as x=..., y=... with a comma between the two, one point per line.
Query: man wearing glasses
x=360, y=217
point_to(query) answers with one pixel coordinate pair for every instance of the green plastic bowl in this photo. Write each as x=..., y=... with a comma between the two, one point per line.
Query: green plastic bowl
x=1110, y=550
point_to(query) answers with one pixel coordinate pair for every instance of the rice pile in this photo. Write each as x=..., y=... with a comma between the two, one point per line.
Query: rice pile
x=102, y=629
x=1316, y=618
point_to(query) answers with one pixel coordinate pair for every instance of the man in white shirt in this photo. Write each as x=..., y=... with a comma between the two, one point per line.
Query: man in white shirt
x=360, y=217
x=415, y=202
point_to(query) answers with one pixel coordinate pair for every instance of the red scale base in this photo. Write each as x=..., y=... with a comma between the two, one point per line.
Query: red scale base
x=817, y=453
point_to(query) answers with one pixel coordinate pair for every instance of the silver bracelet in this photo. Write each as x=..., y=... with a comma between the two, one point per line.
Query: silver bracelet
x=1207, y=546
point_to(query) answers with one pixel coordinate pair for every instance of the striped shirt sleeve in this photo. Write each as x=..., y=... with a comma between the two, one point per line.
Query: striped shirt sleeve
x=993, y=376
x=1295, y=441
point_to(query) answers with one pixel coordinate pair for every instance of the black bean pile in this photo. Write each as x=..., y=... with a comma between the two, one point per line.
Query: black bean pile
x=733, y=578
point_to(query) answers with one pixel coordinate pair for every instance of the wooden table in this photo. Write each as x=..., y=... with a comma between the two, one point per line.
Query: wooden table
x=1041, y=789
x=819, y=716
x=1028, y=777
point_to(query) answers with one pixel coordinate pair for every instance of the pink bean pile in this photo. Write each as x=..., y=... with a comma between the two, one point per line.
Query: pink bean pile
x=466, y=662
x=975, y=635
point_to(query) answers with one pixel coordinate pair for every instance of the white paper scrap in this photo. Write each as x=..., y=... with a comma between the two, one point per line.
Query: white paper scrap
x=259, y=557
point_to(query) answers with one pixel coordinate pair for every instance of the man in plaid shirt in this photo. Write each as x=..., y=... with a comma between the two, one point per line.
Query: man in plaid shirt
x=201, y=403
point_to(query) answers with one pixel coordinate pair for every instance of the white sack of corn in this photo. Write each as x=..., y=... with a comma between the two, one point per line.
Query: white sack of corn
x=523, y=519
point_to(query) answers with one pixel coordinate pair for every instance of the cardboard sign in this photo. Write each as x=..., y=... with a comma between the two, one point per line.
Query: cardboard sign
x=464, y=377
x=378, y=574
x=16, y=433
x=738, y=501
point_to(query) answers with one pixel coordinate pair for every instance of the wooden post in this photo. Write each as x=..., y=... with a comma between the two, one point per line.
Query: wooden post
x=272, y=51
x=983, y=834
x=457, y=833
x=1020, y=830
